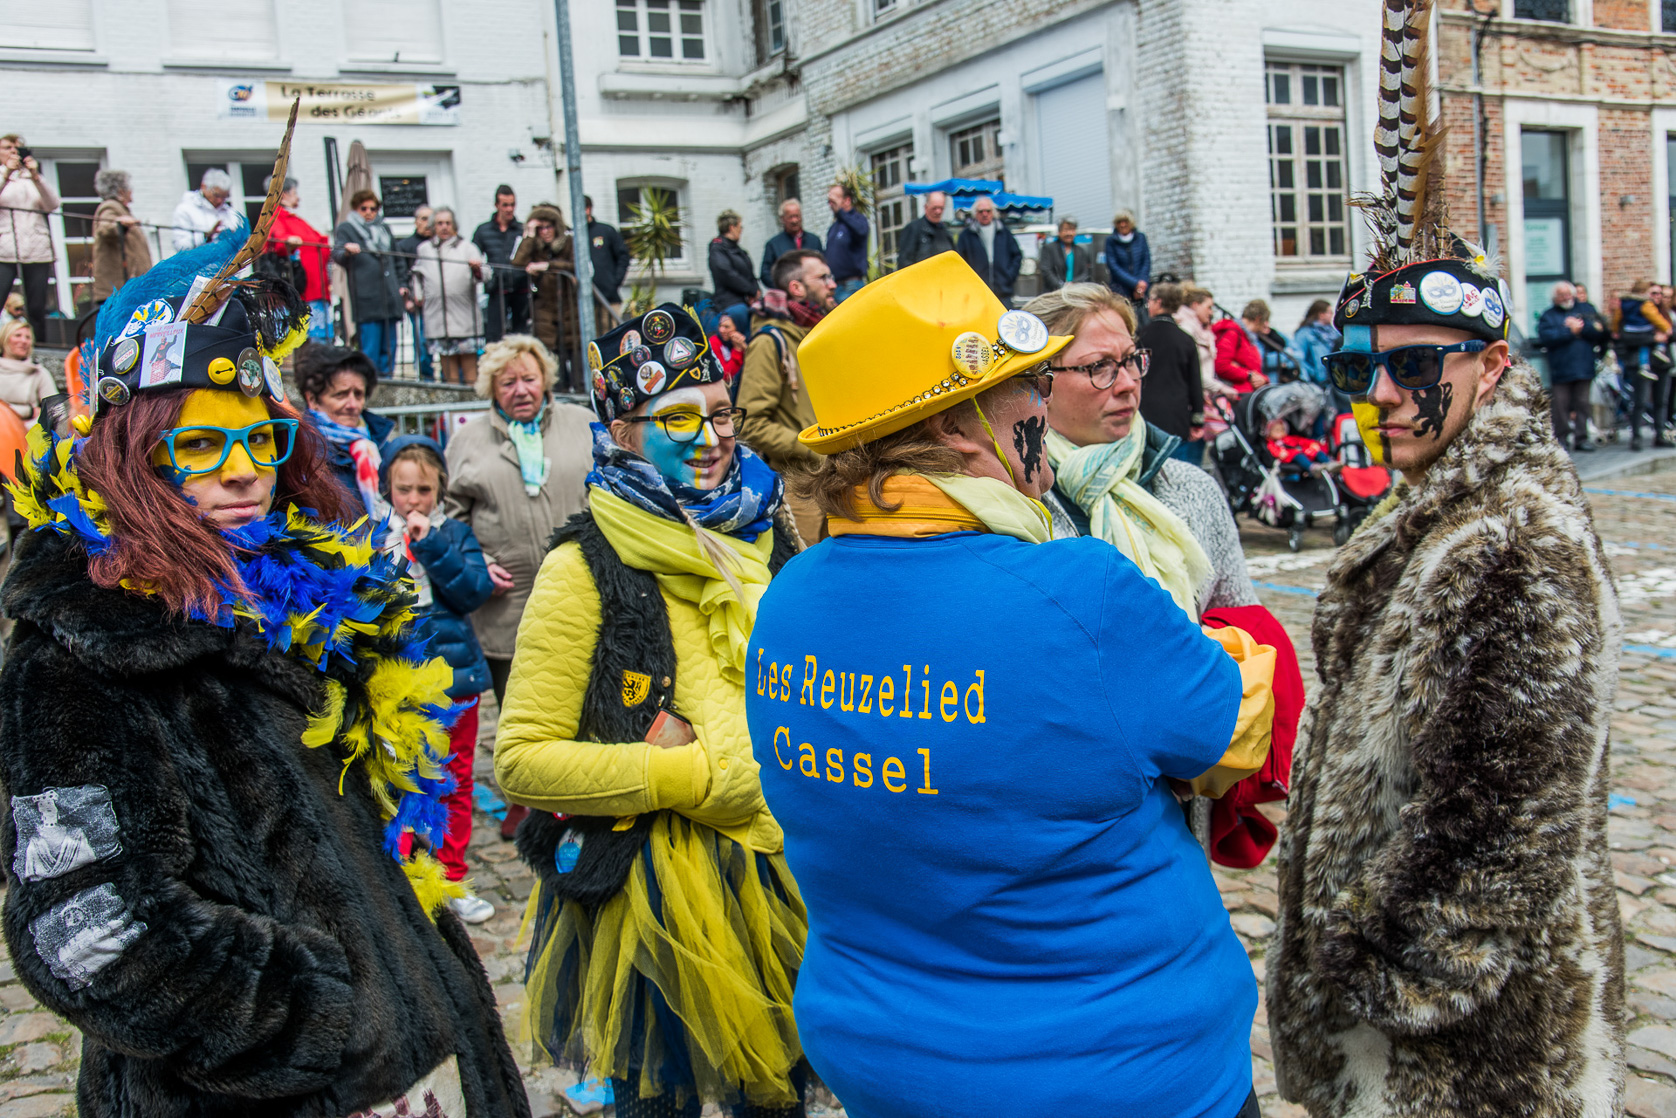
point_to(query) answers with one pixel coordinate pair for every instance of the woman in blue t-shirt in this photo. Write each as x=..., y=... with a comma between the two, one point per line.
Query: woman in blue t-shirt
x=973, y=737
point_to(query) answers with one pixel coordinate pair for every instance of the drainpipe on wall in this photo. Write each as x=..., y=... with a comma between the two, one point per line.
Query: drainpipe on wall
x=1480, y=120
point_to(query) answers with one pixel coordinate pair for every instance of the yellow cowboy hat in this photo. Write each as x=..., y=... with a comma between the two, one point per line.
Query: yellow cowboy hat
x=910, y=345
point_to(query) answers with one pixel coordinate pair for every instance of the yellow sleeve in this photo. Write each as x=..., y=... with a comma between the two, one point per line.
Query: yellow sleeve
x=538, y=760
x=1254, y=728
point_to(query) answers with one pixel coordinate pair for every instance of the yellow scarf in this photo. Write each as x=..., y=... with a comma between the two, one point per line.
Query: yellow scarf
x=684, y=569
x=1100, y=478
x=934, y=506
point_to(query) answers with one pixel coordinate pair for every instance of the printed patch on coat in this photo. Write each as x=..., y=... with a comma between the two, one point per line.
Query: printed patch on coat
x=636, y=687
x=437, y=1095
x=63, y=829
x=80, y=937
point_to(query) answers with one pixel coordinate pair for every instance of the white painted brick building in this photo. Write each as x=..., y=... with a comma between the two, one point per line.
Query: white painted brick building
x=1158, y=106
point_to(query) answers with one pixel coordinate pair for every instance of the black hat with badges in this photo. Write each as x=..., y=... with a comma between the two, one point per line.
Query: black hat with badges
x=193, y=321
x=663, y=349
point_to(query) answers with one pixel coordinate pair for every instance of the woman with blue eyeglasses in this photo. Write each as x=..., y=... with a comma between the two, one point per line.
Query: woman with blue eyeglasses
x=222, y=740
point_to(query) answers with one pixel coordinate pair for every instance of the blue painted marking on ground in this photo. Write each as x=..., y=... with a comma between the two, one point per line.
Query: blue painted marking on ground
x=1304, y=590
x=1640, y=546
x=1631, y=493
x=1652, y=650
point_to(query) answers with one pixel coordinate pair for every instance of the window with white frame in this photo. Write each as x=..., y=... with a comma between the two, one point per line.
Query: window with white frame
x=74, y=178
x=214, y=29
x=634, y=199
x=883, y=8
x=1308, y=191
x=893, y=207
x=975, y=151
x=770, y=28
x=661, y=30
x=61, y=25
x=393, y=31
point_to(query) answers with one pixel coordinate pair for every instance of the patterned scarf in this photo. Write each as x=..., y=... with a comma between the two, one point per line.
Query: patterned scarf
x=532, y=449
x=775, y=303
x=358, y=441
x=743, y=505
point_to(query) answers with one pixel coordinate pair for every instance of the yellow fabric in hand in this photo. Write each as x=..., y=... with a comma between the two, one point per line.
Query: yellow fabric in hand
x=1254, y=728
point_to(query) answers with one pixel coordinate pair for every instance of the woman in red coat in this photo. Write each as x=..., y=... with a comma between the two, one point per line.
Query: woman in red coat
x=296, y=239
x=1237, y=359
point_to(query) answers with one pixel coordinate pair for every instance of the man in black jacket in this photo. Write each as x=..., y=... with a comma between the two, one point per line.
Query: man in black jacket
x=508, y=288
x=988, y=246
x=926, y=235
x=730, y=265
x=610, y=256
x=791, y=237
x=407, y=249
x=1172, y=395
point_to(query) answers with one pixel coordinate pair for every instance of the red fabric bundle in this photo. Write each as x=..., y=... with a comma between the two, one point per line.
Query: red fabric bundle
x=1240, y=836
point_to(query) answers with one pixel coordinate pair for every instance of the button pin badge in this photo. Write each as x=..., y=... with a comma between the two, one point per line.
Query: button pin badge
x=113, y=391
x=1441, y=293
x=1022, y=332
x=973, y=355
x=250, y=374
x=659, y=327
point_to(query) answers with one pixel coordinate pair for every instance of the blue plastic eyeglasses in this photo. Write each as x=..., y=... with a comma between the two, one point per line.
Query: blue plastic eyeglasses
x=204, y=450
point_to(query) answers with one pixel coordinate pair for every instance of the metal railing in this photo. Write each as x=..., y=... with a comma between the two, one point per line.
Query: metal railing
x=438, y=421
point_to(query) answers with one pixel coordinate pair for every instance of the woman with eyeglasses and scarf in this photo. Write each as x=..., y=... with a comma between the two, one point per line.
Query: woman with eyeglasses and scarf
x=667, y=931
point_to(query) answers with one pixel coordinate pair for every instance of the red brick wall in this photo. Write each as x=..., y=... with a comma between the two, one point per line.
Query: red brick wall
x=1626, y=230
x=1625, y=15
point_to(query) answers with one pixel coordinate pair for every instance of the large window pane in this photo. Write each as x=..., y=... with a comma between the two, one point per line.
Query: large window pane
x=1306, y=161
x=1554, y=11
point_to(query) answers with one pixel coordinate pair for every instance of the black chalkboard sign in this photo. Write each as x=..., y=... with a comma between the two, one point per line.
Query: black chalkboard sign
x=403, y=194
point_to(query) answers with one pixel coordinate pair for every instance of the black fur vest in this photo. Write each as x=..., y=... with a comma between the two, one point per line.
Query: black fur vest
x=634, y=639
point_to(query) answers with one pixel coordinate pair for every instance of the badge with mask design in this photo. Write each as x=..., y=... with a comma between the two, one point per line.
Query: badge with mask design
x=1022, y=332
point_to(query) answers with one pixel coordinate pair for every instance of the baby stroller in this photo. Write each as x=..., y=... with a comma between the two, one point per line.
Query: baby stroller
x=1256, y=483
x=1361, y=483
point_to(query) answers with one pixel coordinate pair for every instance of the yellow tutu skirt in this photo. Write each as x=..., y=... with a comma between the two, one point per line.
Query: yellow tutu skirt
x=683, y=980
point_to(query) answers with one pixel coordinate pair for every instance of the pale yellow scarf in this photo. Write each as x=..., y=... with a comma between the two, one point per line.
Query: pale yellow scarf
x=1101, y=479
x=691, y=570
x=936, y=505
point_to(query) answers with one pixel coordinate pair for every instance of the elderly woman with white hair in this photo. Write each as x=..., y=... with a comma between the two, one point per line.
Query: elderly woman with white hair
x=446, y=271
x=203, y=213
x=515, y=473
x=120, y=248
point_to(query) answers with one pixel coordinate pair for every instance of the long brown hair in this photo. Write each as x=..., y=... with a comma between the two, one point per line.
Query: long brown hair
x=159, y=542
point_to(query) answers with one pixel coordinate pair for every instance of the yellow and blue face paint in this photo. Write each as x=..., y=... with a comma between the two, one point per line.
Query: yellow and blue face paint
x=1369, y=415
x=670, y=456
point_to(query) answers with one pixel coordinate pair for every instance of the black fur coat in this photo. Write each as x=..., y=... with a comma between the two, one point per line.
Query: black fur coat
x=193, y=893
x=1449, y=942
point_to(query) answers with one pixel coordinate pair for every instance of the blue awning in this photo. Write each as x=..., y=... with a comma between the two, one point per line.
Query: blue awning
x=963, y=192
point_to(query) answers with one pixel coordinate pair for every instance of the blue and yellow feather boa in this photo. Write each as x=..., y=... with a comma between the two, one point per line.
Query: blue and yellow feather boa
x=327, y=596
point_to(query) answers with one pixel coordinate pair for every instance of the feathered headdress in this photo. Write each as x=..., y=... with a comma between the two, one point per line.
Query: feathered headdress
x=1408, y=216
x=192, y=321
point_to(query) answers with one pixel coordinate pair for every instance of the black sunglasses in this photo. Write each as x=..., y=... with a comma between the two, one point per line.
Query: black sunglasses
x=1410, y=366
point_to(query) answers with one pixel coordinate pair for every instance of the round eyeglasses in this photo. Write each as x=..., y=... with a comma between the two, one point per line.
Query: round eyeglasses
x=1103, y=373
x=204, y=450
x=684, y=426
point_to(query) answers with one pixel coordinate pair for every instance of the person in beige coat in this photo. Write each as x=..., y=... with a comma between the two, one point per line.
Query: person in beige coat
x=120, y=249
x=515, y=473
x=777, y=409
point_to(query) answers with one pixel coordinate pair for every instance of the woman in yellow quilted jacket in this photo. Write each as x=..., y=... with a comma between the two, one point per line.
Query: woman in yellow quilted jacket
x=666, y=931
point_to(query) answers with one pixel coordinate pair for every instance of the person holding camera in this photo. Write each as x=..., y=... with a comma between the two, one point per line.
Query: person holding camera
x=25, y=238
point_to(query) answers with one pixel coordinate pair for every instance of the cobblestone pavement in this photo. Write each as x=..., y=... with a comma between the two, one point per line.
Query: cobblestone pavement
x=1635, y=516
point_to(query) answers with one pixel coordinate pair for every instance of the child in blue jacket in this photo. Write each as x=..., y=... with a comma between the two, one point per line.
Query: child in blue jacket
x=448, y=569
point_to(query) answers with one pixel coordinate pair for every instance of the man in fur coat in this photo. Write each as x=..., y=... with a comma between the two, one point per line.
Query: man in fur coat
x=1448, y=940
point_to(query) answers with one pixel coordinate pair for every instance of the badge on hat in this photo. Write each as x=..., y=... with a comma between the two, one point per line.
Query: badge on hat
x=680, y=353
x=113, y=391
x=973, y=354
x=651, y=377
x=1022, y=332
x=1494, y=311
x=154, y=313
x=630, y=343
x=1441, y=292
x=127, y=355
x=639, y=355
x=1472, y=300
x=272, y=378
x=595, y=362
x=659, y=326
x=1402, y=294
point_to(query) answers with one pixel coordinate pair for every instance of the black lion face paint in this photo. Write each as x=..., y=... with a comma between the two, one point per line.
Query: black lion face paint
x=1432, y=408
x=1027, y=441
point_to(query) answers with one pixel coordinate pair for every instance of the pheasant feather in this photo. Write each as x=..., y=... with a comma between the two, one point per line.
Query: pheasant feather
x=215, y=291
x=1406, y=217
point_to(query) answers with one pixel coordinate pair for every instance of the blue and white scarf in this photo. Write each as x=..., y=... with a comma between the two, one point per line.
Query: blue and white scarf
x=358, y=442
x=743, y=505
